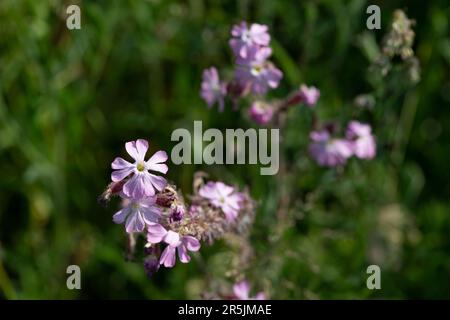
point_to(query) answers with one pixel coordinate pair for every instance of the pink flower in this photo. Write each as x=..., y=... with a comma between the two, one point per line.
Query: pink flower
x=141, y=182
x=137, y=214
x=309, y=95
x=241, y=291
x=328, y=151
x=245, y=38
x=363, y=142
x=213, y=90
x=175, y=242
x=224, y=197
x=256, y=72
x=261, y=112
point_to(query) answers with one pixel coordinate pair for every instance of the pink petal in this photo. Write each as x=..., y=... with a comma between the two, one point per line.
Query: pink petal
x=134, y=223
x=205, y=191
x=168, y=257
x=209, y=191
x=137, y=149
x=158, y=157
x=156, y=181
x=156, y=233
x=223, y=189
x=182, y=254
x=234, y=200
x=172, y=238
x=229, y=212
x=160, y=167
x=120, y=163
x=130, y=146
x=149, y=201
x=120, y=216
x=119, y=175
x=241, y=290
x=191, y=243
x=137, y=188
x=150, y=214
x=141, y=147
x=237, y=29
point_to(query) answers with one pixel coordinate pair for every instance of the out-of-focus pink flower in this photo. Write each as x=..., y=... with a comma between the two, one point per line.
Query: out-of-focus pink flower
x=175, y=242
x=246, y=38
x=141, y=183
x=261, y=112
x=213, y=90
x=193, y=210
x=256, y=72
x=309, y=95
x=137, y=214
x=241, y=291
x=224, y=197
x=328, y=151
x=362, y=140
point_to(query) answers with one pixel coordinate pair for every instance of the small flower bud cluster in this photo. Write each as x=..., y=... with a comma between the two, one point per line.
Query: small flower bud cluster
x=398, y=43
x=254, y=76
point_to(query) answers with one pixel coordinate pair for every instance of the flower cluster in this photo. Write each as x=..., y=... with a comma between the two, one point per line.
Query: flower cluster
x=254, y=76
x=398, y=45
x=251, y=50
x=254, y=73
x=330, y=151
x=153, y=207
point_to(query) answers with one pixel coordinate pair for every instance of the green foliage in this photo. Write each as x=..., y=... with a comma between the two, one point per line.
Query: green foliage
x=70, y=99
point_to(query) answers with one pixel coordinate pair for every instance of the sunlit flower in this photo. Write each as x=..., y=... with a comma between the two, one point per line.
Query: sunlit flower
x=224, y=197
x=256, y=72
x=329, y=151
x=362, y=140
x=141, y=182
x=246, y=38
x=261, y=112
x=309, y=95
x=213, y=90
x=241, y=291
x=136, y=214
x=175, y=242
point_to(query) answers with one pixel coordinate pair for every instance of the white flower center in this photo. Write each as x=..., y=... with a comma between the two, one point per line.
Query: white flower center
x=246, y=36
x=140, y=166
x=135, y=206
x=256, y=69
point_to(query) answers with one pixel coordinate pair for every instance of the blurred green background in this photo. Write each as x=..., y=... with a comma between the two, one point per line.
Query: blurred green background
x=69, y=100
